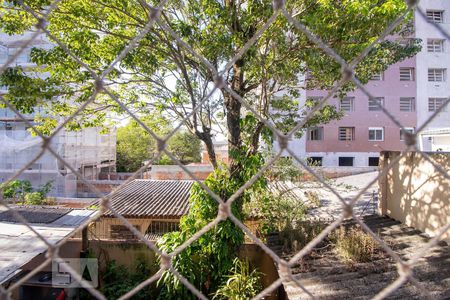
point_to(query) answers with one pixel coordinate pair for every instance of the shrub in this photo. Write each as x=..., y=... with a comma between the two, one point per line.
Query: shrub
x=34, y=198
x=16, y=189
x=313, y=198
x=118, y=280
x=354, y=245
x=241, y=283
x=305, y=232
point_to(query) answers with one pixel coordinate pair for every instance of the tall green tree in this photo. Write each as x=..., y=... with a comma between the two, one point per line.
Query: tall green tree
x=135, y=145
x=160, y=74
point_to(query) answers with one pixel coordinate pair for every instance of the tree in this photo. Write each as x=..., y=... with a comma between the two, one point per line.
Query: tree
x=160, y=74
x=135, y=145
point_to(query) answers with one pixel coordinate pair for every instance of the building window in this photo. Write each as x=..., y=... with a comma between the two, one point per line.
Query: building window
x=406, y=74
x=436, y=75
x=375, y=104
x=347, y=104
x=122, y=232
x=161, y=227
x=374, y=161
x=402, y=132
x=315, y=134
x=435, y=16
x=435, y=103
x=35, y=166
x=435, y=45
x=314, y=161
x=407, y=104
x=378, y=77
x=346, y=161
x=376, y=134
x=346, y=133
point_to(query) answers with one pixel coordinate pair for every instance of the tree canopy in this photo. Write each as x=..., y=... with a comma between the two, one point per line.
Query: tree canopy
x=160, y=74
x=135, y=145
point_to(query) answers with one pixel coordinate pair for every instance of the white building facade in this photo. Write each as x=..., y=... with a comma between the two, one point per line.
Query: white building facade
x=87, y=151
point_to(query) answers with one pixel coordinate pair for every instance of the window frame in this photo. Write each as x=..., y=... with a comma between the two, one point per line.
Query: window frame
x=346, y=128
x=411, y=104
x=434, y=106
x=409, y=129
x=432, y=45
x=312, y=160
x=377, y=77
x=411, y=74
x=340, y=163
x=373, y=157
x=433, y=75
x=352, y=104
x=311, y=132
x=376, y=139
x=435, y=16
x=375, y=107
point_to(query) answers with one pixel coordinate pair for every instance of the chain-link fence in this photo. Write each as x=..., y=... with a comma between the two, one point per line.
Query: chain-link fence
x=405, y=268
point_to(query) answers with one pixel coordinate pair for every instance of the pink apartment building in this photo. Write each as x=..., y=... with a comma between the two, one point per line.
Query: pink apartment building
x=365, y=130
x=411, y=91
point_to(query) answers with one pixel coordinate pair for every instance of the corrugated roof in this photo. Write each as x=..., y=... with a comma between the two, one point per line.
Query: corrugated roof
x=19, y=245
x=34, y=214
x=152, y=198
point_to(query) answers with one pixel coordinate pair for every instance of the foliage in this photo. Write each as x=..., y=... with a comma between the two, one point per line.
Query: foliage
x=22, y=190
x=216, y=30
x=284, y=169
x=211, y=256
x=118, y=280
x=98, y=33
x=293, y=240
x=16, y=189
x=241, y=284
x=34, y=198
x=45, y=189
x=313, y=198
x=354, y=245
x=276, y=210
x=135, y=145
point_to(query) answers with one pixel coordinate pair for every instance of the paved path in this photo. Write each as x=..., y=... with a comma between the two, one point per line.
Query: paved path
x=348, y=187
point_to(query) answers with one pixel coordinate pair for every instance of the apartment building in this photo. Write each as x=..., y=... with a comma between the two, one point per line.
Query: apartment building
x=87, y=151
x=410, y=90
x=433, y=64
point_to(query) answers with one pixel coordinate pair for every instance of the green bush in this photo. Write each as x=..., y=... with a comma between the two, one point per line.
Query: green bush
x=16, y=189
x=34, y=198
x=118, y=280
x=241, y=283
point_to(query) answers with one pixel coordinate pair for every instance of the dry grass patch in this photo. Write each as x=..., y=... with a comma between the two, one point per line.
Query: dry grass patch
x=354, y=245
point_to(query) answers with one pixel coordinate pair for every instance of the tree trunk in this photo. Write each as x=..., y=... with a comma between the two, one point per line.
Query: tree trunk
x=205, y=137
x=233, y=108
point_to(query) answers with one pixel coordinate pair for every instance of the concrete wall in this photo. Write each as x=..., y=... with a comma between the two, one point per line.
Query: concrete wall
x=174, y=172
x=414, y=193
x=128, y=253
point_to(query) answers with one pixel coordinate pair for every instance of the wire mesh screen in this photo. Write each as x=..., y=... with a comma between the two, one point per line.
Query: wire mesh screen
x=40, y=16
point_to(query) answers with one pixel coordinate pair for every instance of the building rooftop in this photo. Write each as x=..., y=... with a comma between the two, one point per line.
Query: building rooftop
x=156, y=198
x=19, y=245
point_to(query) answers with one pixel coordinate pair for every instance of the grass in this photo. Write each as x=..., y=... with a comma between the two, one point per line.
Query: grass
x=354, y=245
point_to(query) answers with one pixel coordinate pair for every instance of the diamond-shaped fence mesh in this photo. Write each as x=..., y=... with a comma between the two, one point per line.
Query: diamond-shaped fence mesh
x=101, y=86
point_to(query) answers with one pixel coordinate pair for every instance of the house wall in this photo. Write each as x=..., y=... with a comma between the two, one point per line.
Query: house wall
x=127, y=254
x=102, y=228
x=414, y=193
x=174, y=172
